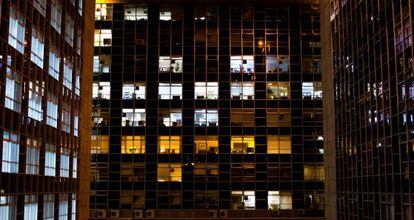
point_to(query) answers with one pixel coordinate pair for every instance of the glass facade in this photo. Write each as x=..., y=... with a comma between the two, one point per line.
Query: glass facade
x=208, y=109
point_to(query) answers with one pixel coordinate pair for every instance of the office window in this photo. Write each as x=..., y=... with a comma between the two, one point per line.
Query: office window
x=76, y=123
x=242, y=90
x=277, y=64
x=16, y=30
x=63, y=207
x=206, y=90
x=99, y=144
x=54, y=62
x=133, y=91
x=73, y=206
x=35, y=101
x=38, y=48
x=103, y=12
x=32, y=156
x=40, y=5
x=278, y=90
x=169, y=144
x=278, y=117
x=67, y=74
x=243, y=200
x=242, y=64
x=10, y=157
x=65, y=118
x=103, y=38
x=206, y=144
x=170, y=117
x=167, y=64
x=102, y=64
x=52, y=110
x=48, y=207
x=165, y=15
x=278, y=144
x=56, y=15
x=101, y=90
x=8, y=207
x=169, y=172
x=64, y=162
x=69, y=30
x=279, y=200
x=30, y=207
x=242, y=144
x=133, y=117
x=75, y=164
x=50, y=160
x=100, y=117
x=77, y=81
x=135, y=12
x=170, y=91
x=243, y=117
x=312, y=90
x=313, y=172
x=13, y=90
x=206, y=117
x=132, y=171
x=133, y=144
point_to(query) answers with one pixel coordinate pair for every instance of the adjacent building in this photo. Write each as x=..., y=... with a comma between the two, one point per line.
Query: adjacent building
x=204, y=110
x=45, y=87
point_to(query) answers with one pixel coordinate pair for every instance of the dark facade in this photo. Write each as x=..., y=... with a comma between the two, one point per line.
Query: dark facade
x=207, y=110
x=44, y=71
x=371, y=77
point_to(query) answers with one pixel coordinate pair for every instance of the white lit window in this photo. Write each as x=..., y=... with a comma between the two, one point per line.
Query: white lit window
x=69, y=30
x=10, y=157
x=206, y=90
x=279, y=200
x=75, y=165
x=48, y=207
x=67, y=74
x=56, y=15
x=13, y=91
x=242, y=90
x=166, y=64
x=165, y=15
x=50, y=160
x=35, y=101
x=206, y=117
x=63, y=207
x=64, y=162
x=311, y=90
x=133, y=91
x=73, y=207
x=135, y=12
x=101, y=90
x=32, y=156
x=242, y=64
x=7, y=207
x=77, y=82
x=103, y=12
x=277, y=64
x=16, y=30
x=170, y=90
x=52, y=110
x=54, y=62
x=76, y=124
x=171, y=117
x=65, y=118
x=103, y=38
x=102, y=64
x=30, y=207
x=40, y=5
x=243, y=200
x=38, y=44
x=133, y=117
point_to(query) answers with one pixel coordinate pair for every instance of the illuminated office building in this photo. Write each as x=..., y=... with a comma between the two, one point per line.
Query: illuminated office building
x=209, y=109
x=45, y=85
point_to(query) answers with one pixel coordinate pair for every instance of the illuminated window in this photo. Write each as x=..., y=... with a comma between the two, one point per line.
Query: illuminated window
x=30, y=207
x=65, y=118
x=133, y=91
x=73, y=206
x=103, y=12
x=38, y=48
x=169, y=172
x=69, y=29
x=242, y=90
x=100, y=117
x=312, y=90
x=54, y=62
x=170, y=90
x=13, y=90
x=170, y=117
x=63, y=207
x=242, y=144
x=133, y=144
x=313, y=172
x=10, y=154
x=101, y=90
x=243, y=200
x=206, y=90
x=169, y=144
x=16, y=30
x=135, y=12
x=167, y=64
x=278, y=144
x=74, y=164
x=35, y=101
x=242, y=117
x=67, y=74
x=279, y=200
x=32, y=156
x=99, y=144
x=277, y=64
x=56, y=15
x=50, y=160
x=133, y=117
x=102, y=64
x=206, y=144
x=64, y=162
x=278, y=90
x=278, y=117
x=103, y=38
x=48, y=207
x=52, y=110
x=242, y=64
x=206, y=117
x=165, y=16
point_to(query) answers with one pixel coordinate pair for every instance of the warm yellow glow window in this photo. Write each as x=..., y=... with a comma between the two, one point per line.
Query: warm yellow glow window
x=313, y=172
x=169, y=172
x=169, y=144
x=206, y=144
x=279, y=144
x=242, y=144
x=133, y=145
x=99, y=144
